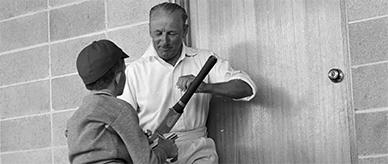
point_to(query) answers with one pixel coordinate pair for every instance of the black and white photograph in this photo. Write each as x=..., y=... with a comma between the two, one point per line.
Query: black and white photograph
x=193, y=81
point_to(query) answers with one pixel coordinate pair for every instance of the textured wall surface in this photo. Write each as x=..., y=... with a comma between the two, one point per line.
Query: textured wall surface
x=39, y=85
x=368, y=45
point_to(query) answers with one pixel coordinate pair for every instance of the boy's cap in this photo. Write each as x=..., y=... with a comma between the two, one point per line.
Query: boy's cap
x=97, y=58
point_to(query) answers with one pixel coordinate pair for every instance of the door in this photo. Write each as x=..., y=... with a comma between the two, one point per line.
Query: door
x=287, y=46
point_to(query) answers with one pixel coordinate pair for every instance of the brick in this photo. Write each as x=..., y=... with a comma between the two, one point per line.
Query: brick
x=11, y=8
x=124, y=12
x=64, y=54
x=24, y=66
x=22, y=32
x=77, y=20
x=370, y=86
x=61, y=156
x=31, y=157
x=134, y=41
x=61, y=2
x=31, y=98
x=361, y=9
x=59, y=127
x=373, y=160
x=368, y=41
x=25, y=133
x=372, y=133
x=67, y=92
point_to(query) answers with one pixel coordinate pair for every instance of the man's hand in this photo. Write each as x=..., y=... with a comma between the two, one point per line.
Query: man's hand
x=184, y=82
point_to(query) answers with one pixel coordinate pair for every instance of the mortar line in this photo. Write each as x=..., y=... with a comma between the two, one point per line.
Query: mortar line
x=43, y=10
x=25, y=116
x=51, y=42
x=68, y=4
x=24, y=82
x=30, y=150
x=78, y=37
x=72, y=38
x=65, y=110
x=38, y=80
x=372, y=110
x=39, y=114
x=23, y=49
x=372, y=156
x=46, y=43
x=127, y=26
x=368, y=19
x=25, y=151
x=50, y=83
x=23, y=15
x=64, y=75
x=106, y=17
x=370, y=64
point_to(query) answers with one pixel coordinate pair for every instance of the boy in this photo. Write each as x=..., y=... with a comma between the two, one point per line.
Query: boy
x=105, y=129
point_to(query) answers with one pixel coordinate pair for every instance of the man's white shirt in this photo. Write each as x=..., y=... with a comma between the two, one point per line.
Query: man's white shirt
x=151, y=87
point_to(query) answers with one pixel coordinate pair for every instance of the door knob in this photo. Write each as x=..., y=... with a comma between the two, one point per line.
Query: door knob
x=336, y=75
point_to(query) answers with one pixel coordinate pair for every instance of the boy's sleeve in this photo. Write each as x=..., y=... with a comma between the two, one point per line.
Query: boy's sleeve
x=127, y=127
x=89, y=141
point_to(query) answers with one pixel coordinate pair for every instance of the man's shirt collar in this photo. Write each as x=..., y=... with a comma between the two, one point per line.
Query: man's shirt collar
x=186, y=52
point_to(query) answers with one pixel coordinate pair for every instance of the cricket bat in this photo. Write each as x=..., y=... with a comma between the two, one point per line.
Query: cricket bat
x=176, y=111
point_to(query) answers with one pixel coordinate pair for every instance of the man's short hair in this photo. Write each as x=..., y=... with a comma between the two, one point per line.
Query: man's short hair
x=171, y=8
x=104, y=81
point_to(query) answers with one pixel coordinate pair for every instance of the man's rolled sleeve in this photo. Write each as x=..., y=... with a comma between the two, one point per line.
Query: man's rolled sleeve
x=223, y=72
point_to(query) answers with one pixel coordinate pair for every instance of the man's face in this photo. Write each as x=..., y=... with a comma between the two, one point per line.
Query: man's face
x=167, y=31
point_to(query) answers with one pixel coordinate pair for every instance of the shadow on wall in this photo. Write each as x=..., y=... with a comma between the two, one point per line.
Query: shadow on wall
x=243, y=129
x=246, y=56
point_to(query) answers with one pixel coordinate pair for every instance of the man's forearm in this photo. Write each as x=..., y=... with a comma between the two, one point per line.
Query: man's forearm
x=234, y=89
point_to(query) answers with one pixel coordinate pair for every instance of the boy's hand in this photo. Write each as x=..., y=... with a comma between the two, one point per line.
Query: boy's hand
x=169, y=147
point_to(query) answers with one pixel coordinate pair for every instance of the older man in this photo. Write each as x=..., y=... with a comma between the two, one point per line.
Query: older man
x=159, y=78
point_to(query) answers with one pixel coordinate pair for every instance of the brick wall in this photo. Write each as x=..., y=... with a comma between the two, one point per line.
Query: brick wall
x=39, y=85
x=368, y=45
